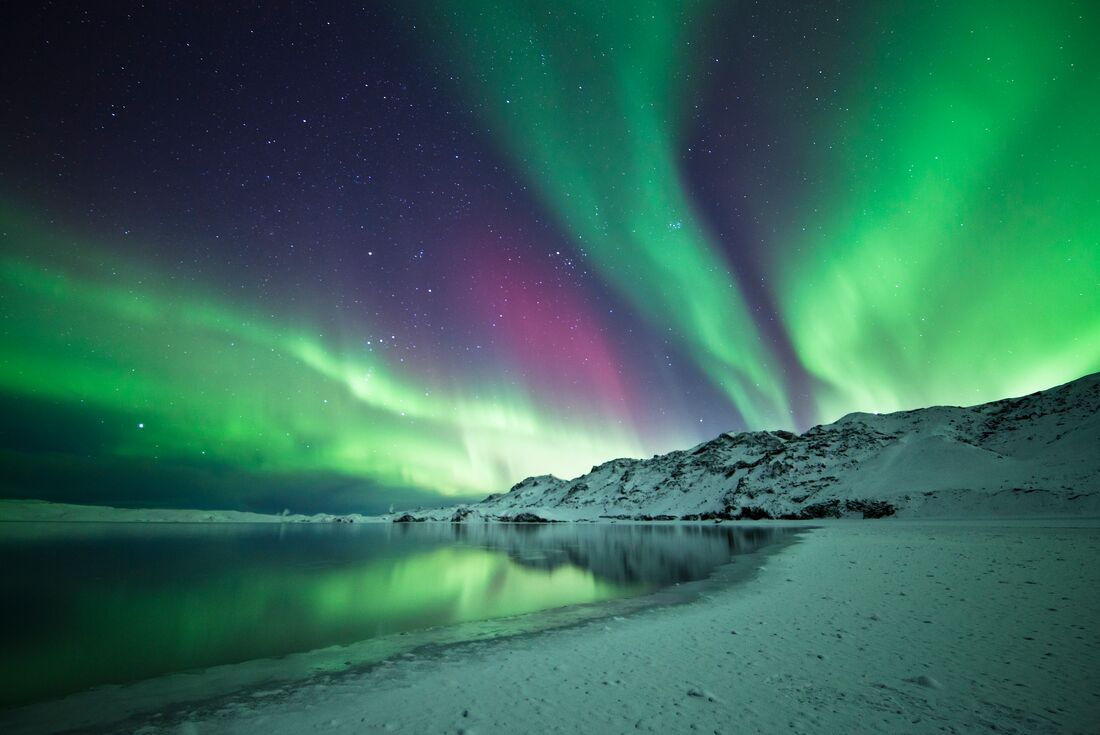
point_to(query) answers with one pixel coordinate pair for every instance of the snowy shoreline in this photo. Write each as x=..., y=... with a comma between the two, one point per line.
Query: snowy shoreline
x=41, y=511
x=870, y=627
x=891, y=626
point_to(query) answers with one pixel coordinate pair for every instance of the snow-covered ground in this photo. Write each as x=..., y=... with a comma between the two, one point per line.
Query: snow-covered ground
x=897, y=626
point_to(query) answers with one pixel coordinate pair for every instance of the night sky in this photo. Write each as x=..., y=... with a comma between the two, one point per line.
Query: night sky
x=335, y=256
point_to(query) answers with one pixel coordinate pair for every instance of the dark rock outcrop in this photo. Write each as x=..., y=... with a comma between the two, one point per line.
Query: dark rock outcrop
x=524, y=517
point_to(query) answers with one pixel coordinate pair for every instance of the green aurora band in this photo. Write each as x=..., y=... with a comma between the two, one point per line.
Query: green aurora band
x=951, y=254
x=194, y=380
x=953, y=251
x=591, y=106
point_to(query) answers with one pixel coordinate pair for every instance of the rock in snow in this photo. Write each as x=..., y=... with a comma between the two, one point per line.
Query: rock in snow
x=523, y=518
x=1035, y=455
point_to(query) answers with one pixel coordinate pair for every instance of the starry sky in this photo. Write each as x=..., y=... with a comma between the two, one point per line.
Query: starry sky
x=335, y=256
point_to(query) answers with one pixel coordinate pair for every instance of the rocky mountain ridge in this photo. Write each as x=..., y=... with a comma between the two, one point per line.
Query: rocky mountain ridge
x=1034, y=455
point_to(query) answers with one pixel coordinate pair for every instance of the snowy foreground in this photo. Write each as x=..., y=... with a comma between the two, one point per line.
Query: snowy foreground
x=895, y=626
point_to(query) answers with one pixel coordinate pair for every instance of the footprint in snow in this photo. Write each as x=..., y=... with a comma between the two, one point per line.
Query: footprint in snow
x=925, y=681
x=701, y=694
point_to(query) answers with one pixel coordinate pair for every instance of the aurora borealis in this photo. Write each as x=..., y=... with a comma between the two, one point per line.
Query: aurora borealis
x=333, y=258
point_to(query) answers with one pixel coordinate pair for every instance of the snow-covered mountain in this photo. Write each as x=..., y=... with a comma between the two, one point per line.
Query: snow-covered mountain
x=1035, y=455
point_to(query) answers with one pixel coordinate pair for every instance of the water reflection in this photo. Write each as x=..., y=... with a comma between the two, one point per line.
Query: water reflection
x=90, y=604
x=629, y=554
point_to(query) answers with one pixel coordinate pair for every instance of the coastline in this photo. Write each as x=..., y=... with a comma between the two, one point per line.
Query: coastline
x=895, y=626
x=175, y=697
x=42, y=511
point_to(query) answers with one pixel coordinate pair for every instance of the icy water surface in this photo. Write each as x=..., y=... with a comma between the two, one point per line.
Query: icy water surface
x=85, y=605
